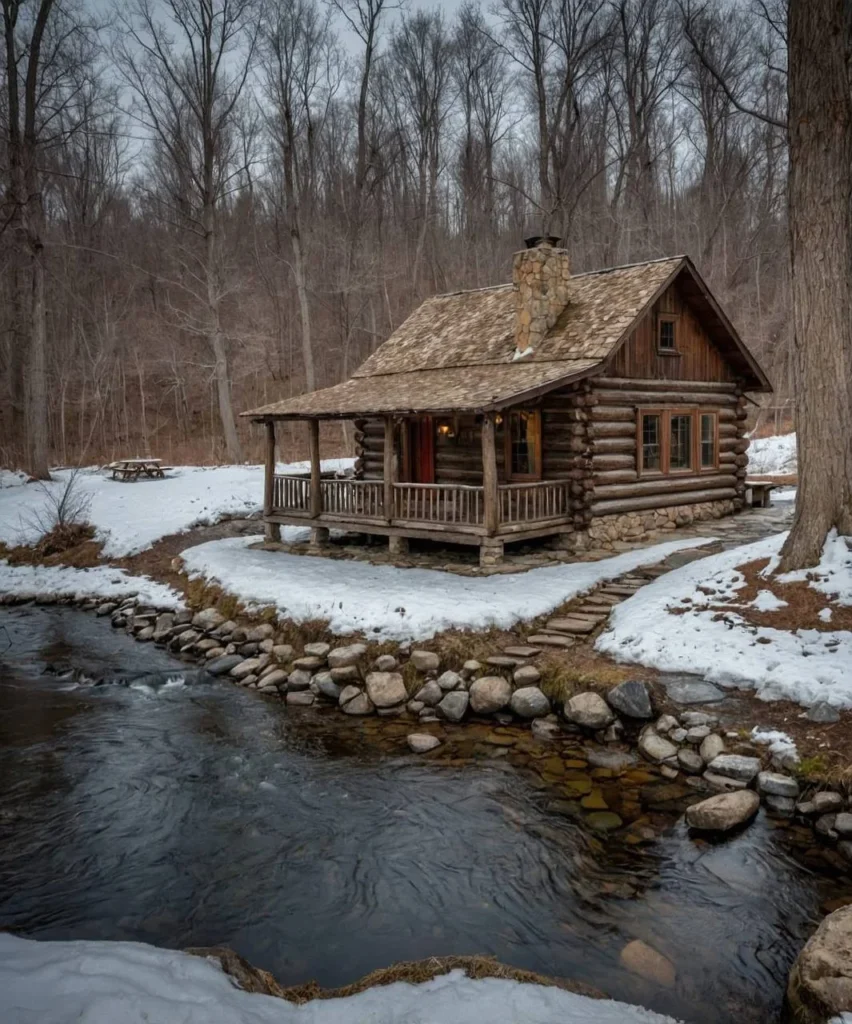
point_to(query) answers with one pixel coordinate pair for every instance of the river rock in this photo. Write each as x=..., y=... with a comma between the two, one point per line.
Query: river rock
x=324, y=685
x=615, y=760
x=346, y=674
x=843, y=824
x=317, y=650
x=275, y=678
x=824, y=826
x=354, y=701
x=299, y=679
x=697, y=734
x=208, y=619
x=225, y=628
x=529, y=702
x=303, y=698
x=310, y=663
x=526, y=675
x=643, y=960
x=351, y=654
x=214, y=652
x=723, y=784
x=545, y=730
x=107, y=608
x=735, y=766
x=784, y=806
x=425, y=661
x=449, y=681
x=246, y=668
x=385, y=663
x=589, y=710
x=454, y=705
x=221, y=666
x=678, y=735
x=267, y=646
x=711, y=747
x=470, y=668
x=147, y=633
x=820, y=984
x=422, y=742
x=777, y=784
x=690, y=761
x=723, y=812
x=656, y=748
x=386, y=689
x=430, y=693
x=489, y=694
x=631, y=698
x=258, y=633
x=665, y=723
x=827, y=802
x=692, y=718
x=823, y=712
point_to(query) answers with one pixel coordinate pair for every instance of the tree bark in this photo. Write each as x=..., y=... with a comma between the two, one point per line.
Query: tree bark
x=820, y=211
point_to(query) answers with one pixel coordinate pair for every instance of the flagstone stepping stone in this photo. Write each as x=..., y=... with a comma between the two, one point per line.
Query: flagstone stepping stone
x=526, y=675
x=571, y=625
x=551, y=640
x=502, y=661
x=521, y=652
x=691, y=690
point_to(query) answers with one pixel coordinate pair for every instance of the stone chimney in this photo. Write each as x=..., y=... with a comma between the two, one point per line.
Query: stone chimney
x=540, y=274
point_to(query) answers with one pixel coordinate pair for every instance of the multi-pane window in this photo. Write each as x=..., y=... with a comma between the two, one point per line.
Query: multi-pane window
x=523, y=445
x=667, y=334
x=651, y=442
x=677, y=441
x=680, y=443
x=708, y=440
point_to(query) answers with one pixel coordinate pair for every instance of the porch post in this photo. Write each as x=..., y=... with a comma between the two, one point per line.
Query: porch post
x=272, y=530
x=389, y=470
x=319, y=534
x=316, y=490
x=490, y=546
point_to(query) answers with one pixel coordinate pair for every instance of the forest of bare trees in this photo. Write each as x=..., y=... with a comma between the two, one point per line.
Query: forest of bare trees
x=210, y=204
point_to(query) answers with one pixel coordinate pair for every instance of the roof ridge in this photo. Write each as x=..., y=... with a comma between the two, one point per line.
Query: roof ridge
x=586, y=273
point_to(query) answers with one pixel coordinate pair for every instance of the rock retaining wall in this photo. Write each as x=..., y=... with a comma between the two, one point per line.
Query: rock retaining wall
x=604, y=531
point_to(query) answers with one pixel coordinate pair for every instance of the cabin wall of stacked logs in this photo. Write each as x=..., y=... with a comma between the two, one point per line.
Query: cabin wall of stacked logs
x=589, y=437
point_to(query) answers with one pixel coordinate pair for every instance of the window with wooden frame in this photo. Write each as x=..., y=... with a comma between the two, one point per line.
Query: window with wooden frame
x=676, y=441
x=522, y=440
x=667, y=334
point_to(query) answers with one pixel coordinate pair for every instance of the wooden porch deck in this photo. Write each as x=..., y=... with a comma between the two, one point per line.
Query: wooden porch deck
x=451, y=511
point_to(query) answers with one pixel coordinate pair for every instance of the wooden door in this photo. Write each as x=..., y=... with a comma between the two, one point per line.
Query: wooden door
x=421, y=450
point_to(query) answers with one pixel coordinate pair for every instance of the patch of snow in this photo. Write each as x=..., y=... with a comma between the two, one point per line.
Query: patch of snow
x=824, y=614
x=101, y=581
x=12, y=478
x=781, y=746
x=766, y=601
x=833, y=575
x=132, y=983
x=131, y=516
x=783, y=494
x=386, y=602
x=772, y=456
x=528, y=351
x=667, y=625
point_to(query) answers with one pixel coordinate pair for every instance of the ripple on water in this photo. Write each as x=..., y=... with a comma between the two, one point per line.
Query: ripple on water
x=187, y=815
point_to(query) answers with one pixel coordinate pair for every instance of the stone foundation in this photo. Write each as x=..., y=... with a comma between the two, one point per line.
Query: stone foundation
x=648, y=523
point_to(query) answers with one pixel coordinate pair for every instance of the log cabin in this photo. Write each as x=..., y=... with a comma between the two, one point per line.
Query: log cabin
x=589, y=408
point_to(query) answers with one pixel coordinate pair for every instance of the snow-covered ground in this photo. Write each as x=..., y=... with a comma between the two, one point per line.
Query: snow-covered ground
x=772, y=456
x=667, y=625
x=385, y=602
x=100, y=581
x=131, y=983
x=130, y=517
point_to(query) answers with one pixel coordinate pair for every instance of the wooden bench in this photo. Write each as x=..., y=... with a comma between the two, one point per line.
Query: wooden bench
x=757, y=493
x=133, y=469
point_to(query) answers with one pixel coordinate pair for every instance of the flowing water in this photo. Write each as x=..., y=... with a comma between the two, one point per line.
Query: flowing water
x=199, y=814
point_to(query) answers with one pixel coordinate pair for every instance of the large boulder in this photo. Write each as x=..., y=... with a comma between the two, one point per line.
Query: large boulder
x=723, y=812
x=820, y=985
x=454, y=705
x=353, y=701
x=489, y=694
x=530, y=702
x=589, y=710
x=632, y=699
x=386, y=689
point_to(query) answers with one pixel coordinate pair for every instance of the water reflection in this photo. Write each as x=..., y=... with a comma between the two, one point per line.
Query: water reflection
x=196, y=815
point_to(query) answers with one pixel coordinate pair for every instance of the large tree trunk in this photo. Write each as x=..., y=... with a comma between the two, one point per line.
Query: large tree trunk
x=820, y=202
x=218, y=347
x=300, y=278
x=36, y=392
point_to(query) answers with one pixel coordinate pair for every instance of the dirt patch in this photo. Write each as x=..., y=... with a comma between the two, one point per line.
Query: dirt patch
x=415, y=972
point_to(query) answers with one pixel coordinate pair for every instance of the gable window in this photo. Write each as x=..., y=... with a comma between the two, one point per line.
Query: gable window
x=667, y=334
x=677, y=441
x=523, y=445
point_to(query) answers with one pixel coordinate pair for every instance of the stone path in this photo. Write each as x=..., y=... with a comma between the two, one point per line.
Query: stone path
x=588, y=614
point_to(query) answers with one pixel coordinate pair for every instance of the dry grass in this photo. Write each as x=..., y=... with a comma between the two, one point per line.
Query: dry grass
x=577, y=669
x=70, y=544
x=414, y=972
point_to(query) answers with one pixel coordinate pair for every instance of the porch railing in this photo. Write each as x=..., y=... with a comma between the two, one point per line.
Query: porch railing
x=458, y=505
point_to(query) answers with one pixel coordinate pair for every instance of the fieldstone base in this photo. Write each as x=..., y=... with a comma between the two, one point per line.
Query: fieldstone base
x=490, y=551
x=604, y=531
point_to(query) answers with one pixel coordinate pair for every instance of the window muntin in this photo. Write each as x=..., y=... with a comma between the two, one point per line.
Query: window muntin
x=523, y=445
x=680, y=441
x=677, y=441
x=708, y=456
x=652, y=448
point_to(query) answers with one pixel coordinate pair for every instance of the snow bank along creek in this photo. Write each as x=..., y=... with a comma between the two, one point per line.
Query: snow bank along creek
x=182, y=813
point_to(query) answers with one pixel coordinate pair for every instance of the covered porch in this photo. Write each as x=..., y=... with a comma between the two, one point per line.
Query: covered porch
x=487, y=514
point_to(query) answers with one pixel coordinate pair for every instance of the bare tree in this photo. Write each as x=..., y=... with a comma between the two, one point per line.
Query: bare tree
x=188, y=76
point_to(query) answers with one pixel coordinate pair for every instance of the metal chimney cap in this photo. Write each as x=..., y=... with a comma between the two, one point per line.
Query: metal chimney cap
x=534, y=241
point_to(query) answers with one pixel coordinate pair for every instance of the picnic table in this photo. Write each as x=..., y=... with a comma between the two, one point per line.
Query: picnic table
x=133, y=469
x=758, y=492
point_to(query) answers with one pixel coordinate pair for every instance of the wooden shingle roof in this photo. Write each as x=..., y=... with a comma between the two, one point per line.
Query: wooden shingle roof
x=455, y=351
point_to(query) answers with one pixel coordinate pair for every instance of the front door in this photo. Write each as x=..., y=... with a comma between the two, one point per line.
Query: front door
x=421, y=450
